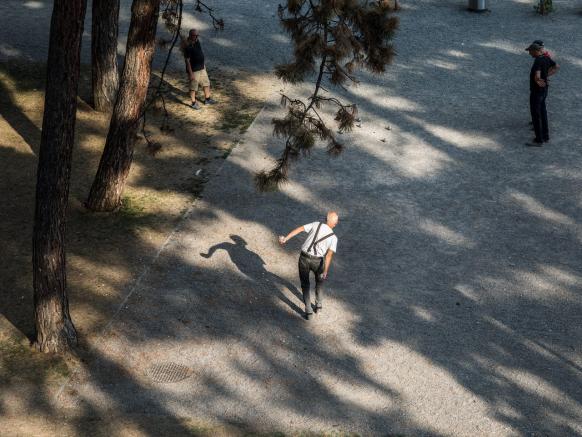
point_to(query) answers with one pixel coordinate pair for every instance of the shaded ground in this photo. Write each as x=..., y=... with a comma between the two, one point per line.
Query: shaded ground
x=454, y=303
x=105, y=251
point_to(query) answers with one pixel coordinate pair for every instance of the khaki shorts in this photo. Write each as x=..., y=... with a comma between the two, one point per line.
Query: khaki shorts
x=200, y=79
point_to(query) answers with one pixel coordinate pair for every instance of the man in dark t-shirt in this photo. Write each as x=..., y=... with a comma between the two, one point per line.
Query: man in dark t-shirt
x=196, y=67
x=542, y=68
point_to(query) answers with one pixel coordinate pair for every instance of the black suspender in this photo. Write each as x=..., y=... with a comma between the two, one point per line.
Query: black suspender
x=315, y=241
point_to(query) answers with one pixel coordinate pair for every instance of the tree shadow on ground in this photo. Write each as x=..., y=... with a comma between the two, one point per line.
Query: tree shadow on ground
x=474, y=281
x=482, y=239
x=106, y=252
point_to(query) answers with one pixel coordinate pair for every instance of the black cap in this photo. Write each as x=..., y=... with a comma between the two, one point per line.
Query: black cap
x=534, y=47
x=539, y=42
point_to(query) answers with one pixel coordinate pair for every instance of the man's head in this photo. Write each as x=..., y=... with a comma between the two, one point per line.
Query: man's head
x=193, y=35
x=535, y=49
x=332, y=219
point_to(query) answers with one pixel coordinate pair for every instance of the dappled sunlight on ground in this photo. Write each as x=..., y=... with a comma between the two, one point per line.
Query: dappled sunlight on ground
x=453, y=304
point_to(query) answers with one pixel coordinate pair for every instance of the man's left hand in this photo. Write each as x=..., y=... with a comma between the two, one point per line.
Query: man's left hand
x=324, y=276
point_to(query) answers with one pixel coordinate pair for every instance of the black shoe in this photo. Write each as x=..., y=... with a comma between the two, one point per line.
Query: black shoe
x=308, y=316
x=535, y=143
x=317, y=308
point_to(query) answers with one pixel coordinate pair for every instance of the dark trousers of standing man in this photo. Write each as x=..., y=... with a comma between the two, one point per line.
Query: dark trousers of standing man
x=539, y=114
x=308, y=264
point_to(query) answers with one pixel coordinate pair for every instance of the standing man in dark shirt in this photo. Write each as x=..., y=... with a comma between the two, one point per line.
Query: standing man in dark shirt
x=196, y=69
x=543, y=67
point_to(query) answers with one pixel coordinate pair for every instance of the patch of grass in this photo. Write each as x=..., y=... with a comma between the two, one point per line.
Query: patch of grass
x=132, y=207
x=239, y=119
x=19, y=362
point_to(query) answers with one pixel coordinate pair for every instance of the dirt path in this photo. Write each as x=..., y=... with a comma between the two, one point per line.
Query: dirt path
x=454, y=302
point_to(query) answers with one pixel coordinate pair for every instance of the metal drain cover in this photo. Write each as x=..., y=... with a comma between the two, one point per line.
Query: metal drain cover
x=165, y=373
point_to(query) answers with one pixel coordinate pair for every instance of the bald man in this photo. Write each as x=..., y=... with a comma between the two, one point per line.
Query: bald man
x=316, y=255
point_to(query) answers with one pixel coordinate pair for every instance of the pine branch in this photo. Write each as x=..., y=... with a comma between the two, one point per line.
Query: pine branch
x=217, y=23
x=331, y=32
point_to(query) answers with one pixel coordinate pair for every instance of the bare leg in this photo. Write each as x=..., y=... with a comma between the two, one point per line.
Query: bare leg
x=193, y=96
x=206, y=92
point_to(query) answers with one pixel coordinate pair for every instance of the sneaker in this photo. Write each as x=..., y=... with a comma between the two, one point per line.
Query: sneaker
x=209, y=101
x=308, y=316
x=317, y=308
x=535, y=143
x=195, y=105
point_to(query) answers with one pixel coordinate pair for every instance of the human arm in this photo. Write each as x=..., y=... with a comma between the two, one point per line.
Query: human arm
x=553, y=69
x=538, y=79
x=188, y=64
x=283, y=240
x=189, y=68
x=327, y=263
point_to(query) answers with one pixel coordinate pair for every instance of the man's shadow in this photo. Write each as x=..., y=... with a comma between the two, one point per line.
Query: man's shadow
x=252, y=265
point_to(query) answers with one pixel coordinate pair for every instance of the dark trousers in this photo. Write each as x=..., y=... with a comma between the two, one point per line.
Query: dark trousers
x=307, y=265
x=539, y=114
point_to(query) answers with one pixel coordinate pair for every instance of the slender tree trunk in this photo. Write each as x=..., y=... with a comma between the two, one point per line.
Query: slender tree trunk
x=54, y=329
x=104, y=74
x=105, y=194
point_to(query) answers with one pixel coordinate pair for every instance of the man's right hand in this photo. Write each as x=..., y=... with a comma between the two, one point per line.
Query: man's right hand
x=192, y=76
x=282, y=240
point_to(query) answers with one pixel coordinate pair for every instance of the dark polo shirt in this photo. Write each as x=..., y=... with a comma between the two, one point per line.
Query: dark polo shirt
x=542, y=64
x=195, y=55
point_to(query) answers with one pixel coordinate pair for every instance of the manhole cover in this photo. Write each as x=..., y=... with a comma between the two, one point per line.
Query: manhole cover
x=165, y=373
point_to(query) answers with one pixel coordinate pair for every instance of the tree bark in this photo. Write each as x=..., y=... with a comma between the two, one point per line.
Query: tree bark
x=107, y=188
x=104, y=74
x=54, y=328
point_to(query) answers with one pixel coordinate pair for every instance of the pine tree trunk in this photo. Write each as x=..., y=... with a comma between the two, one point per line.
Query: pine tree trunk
x=104, y=74
x=107, y=188
x=54, y=329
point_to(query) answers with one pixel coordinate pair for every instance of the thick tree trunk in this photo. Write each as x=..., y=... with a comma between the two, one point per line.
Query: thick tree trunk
x=105, y=194
x=54, y=329
x=104, y=74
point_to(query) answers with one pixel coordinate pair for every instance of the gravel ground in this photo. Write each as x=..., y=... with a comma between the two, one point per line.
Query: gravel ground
x=454, y=302
x=237, y=46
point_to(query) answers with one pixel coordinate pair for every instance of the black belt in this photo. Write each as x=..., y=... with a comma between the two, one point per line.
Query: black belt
x=310, y=256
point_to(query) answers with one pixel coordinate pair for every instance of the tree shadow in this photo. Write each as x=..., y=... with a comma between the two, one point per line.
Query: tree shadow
x=473, y=294
x=18, y=120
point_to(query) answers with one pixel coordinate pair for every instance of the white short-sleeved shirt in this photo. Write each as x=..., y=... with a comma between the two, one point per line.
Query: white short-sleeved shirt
x=322, y=247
